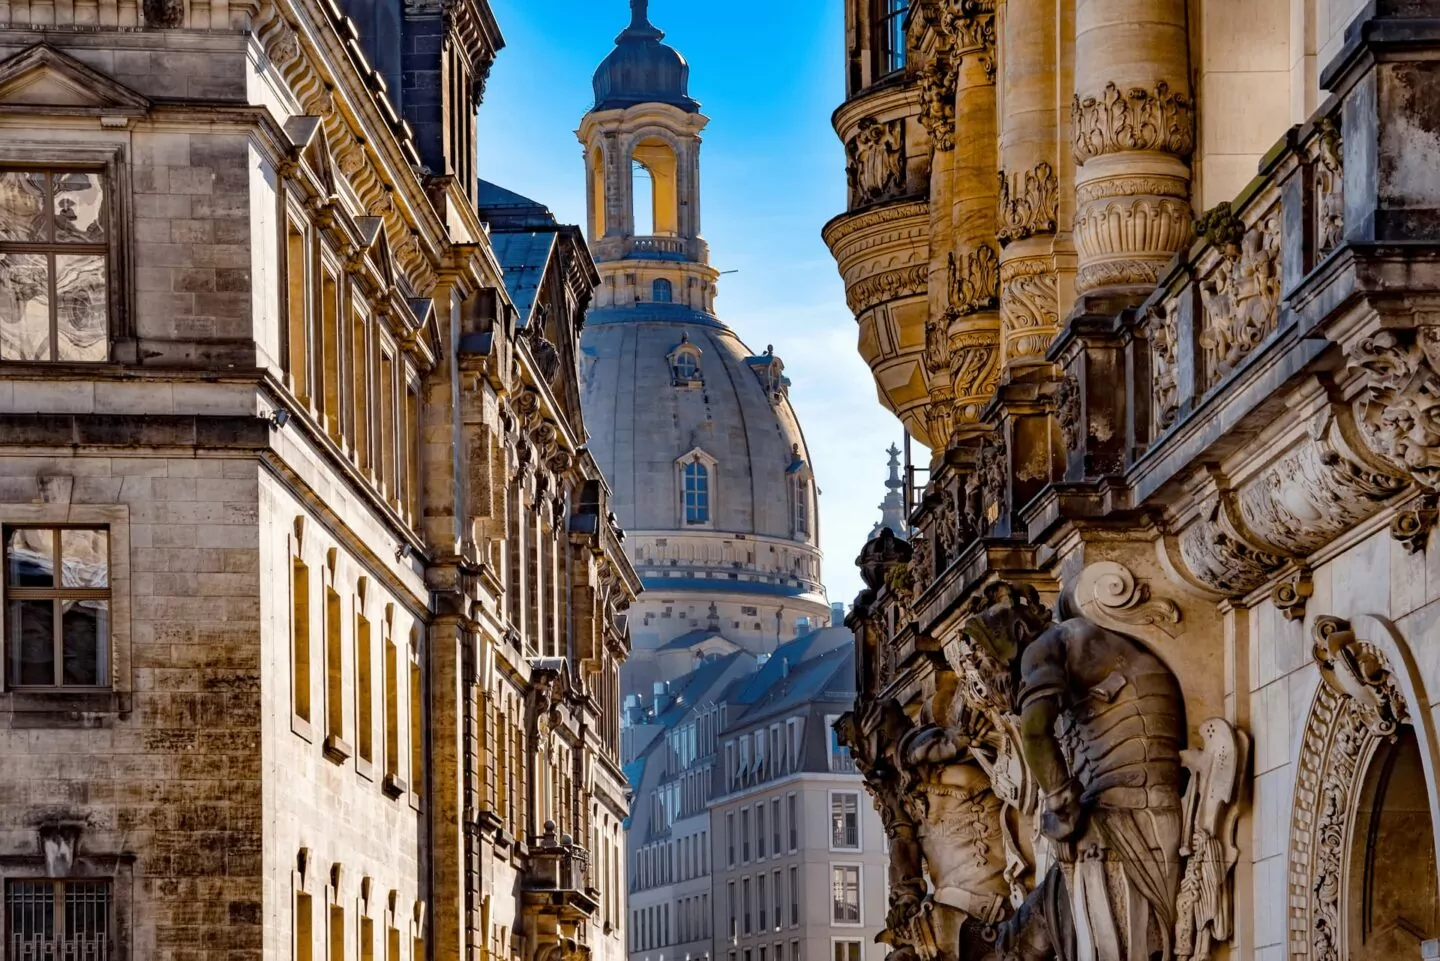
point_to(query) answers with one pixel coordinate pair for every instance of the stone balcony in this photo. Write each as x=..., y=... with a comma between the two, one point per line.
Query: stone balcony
x=557, y=879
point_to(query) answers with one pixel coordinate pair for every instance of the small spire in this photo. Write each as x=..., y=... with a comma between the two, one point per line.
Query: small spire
x=639, y=13
x=640, y=25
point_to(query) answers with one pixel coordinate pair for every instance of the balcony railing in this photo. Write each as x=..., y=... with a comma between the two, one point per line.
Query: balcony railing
x=662, y=246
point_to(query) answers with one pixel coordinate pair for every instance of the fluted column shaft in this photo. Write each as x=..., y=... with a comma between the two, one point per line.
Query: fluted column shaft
x=1133, y=126
x=972, y=263
x=1028, y=212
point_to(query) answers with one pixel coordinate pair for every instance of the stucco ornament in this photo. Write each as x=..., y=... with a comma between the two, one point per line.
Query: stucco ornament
x=1101, y=722
x=1400, y=407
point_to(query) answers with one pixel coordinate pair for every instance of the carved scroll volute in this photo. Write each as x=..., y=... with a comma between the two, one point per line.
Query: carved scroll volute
x=1108, y=593
x=1205, y=908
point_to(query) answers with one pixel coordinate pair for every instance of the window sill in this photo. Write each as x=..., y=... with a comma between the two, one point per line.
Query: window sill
x=394, y=786
x=301, y=727
x=64, y=709
x=336, y=749
x=365, y=769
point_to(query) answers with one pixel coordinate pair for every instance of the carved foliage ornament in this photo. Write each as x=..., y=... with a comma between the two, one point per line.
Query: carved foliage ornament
x=887, y=285
x=1134, y=119
x=937, y=101
x=1067, y=411
x=1399, y=409
x=1164, y=333
x=1029, y=203
x=1108, y=593
x=1029, y=307
x=876, y=160
x=973, y=280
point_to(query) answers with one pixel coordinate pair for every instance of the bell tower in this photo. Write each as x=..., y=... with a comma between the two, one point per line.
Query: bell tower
x=642, y=167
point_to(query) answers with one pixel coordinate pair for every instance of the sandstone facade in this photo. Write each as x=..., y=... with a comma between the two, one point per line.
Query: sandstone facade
x=313, y=605
x=1148, y=671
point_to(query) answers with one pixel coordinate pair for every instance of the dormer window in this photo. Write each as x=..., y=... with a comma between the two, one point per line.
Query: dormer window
x=661, y=291
x=685, y=364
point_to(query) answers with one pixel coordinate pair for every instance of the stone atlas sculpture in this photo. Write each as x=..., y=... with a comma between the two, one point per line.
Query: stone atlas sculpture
x=1049, y=795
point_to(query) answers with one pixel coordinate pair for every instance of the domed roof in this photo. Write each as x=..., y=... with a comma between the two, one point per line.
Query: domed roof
x=734, y=412
x=641, y=69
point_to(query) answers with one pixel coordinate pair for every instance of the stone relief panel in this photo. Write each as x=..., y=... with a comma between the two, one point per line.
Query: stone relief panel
x=973, y=280
x=1029, y=307
x=1329, y=188
x=1029, y=203
x=1163, y=331
x=1241, y=295
x=1399, y=409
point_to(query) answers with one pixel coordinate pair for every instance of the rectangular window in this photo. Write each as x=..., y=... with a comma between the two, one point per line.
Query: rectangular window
x=847, y=951
x=794, y=895
x=779, y=895
x=412, y=454
x=300, y=637
x=845, y=893
x=762, y=902
x=845, y=821
x=745, y=834
x=775, y=823
x=360, y=388
x=760, y=831
x=417, y=747
x=364, y=691
x=297, y=363
x=54, y=920
x=55, y=237
x=367, y=939
x=386, y=402
x=57, y=606
x=795, y=954
x=329, y=361
x=334, y=679
x=337, y=933
x=746, y=905
x=392, y=718
x=890, y=39
x=779, y=951
x=730, y=905
x=792, y=814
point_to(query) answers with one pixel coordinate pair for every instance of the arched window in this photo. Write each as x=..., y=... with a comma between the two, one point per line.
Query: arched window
x=697, y=493
x=801, y=498
x=661, y=292
x=642, y=198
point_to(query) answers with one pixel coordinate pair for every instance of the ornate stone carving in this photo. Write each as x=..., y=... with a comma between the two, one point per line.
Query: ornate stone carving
x=1214, y=552
x=1291, y=596
x=1241, y=298
x=974, y=370
x=1400, y=406
x=1329, y=185
x=1205, y=908
x=991, y=473
x=937, y=100
x=164, y=13
x=1067, y=411
x=1101, y=734
x=1029, y=203
x=1029, y=307
x=1108, y=594
x=973, y=280
x=1135, y=119
x=1412, y=526
x=876, y=155
x=1118, y=273
x=887, y=285
x=1164, y=334
x=1127, y=239
x=1357, y=670
x=1323, y=486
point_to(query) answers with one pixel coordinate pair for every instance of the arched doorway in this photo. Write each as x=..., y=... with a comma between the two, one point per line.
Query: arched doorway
x=1393, y=902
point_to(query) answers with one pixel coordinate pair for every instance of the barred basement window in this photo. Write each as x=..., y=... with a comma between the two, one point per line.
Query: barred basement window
x=57, y=606
x=55, y=236
x=55, y=920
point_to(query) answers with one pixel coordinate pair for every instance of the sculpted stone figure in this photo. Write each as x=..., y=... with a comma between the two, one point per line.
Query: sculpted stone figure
x=1101, y=723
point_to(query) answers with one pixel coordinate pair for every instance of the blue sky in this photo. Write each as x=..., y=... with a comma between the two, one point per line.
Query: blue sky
x=767, y=75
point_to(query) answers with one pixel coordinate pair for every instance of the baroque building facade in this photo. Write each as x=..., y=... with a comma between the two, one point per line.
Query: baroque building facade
x=1147, y=671
x=313, y=598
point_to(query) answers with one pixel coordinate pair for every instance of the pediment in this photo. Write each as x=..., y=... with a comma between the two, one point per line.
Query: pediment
x=41, y=76
x=312, y=145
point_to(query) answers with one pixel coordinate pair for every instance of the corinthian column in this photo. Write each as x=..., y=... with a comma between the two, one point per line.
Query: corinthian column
x=1028, y=211
x=972, y=268
x=1133, y=123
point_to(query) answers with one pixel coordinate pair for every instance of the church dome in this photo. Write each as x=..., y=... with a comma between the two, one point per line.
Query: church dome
x=641, y=69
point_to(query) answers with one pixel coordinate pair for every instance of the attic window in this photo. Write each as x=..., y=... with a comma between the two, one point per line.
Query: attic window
x=685, y=364
x=661, y=292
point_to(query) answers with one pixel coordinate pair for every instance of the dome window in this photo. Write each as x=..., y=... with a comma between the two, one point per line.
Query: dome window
x=661, y=292
x=799, y=476
x=695, y=476
x=685, y=362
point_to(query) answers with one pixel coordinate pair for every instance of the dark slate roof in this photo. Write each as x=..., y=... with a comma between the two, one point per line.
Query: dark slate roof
x=690, y=639
x=523, y=256
x=506, y=210
x=686, y=690
x=819, y=666
x=641, y=69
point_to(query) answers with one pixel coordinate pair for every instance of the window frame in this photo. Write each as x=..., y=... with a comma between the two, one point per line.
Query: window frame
x=887, y=24
x=696, y=493
x=859, y=894
x=57, y=907
x=53, y=594
x=55, y=707
x=832, y=796
x=109, y=161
